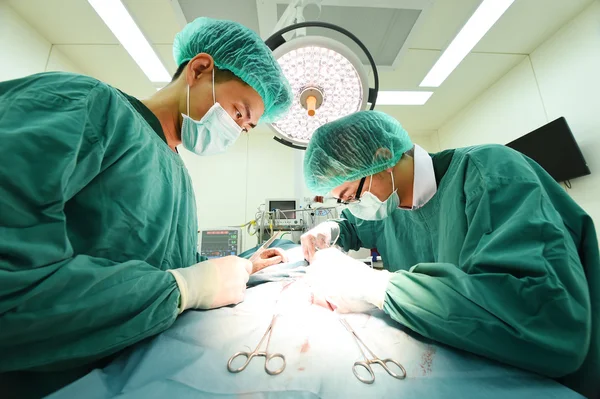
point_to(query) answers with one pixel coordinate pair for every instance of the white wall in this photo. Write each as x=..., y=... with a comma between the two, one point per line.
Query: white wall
x=507, y=110
x=23, y=51
x=60, y=62
x=429, y=142
x=560, y=78
x=230, y=187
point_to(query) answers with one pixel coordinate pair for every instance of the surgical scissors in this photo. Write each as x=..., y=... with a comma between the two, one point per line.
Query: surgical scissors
x=256, y=353
x=262, y=248
x=374, y=360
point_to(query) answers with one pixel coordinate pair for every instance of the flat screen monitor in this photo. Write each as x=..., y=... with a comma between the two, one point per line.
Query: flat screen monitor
x=282, y=208
x=217, y=243
x=555, y=149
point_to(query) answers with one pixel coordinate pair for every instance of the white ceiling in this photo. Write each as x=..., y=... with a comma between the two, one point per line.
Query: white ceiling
x=374, y=26
x=74, y=28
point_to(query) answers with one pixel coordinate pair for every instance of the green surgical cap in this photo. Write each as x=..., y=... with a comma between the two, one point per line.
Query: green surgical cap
x=241, y=51
x=350, y=148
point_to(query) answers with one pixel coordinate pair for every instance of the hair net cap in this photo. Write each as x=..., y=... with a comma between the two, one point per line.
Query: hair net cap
x=352, y=147
x=241, y=51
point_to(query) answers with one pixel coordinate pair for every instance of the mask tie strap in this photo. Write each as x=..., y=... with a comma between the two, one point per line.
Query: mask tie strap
x=188, y=100
x=213, y=83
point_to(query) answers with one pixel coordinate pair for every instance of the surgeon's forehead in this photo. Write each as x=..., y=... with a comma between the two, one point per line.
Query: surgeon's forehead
x=243, y=94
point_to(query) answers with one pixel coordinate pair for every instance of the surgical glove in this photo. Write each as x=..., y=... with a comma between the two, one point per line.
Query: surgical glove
x=212, y=284
x=348, y=285
x=322, y=236
x=268, y=257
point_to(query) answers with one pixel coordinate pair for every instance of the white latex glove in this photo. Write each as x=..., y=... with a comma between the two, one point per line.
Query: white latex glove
x=212, y=284
x=349, y=285
x=269, y=257
x=320, y=237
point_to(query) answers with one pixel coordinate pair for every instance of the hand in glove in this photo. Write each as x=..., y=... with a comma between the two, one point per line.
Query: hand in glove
x=349, y=285
x=268, y=257
x=322, y=236
x=212, y=284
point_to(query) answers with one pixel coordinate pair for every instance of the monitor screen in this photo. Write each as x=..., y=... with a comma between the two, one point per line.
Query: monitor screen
x=219, y=243
x=555, y=149
x=283, y=208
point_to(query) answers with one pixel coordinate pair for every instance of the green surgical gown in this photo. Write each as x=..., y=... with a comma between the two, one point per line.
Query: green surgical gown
x=501, y=262
x=94, y=208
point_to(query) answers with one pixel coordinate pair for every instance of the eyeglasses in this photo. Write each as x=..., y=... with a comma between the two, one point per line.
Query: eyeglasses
x=356, y=198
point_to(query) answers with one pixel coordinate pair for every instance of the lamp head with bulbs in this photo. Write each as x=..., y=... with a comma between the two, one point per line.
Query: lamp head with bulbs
x=328, y=82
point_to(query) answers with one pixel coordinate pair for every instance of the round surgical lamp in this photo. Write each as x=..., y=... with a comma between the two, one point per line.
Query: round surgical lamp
x=328, y=81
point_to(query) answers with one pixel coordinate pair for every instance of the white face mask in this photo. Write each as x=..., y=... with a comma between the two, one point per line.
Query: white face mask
x=212, y=134
x=371, y=208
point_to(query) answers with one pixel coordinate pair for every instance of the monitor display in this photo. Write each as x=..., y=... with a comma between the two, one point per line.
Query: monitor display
x=555, y=149
x=284, y=209
x=219, y=243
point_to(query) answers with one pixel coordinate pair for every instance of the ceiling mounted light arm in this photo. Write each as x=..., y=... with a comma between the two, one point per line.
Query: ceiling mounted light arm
x=277, y=39
x=288, y=144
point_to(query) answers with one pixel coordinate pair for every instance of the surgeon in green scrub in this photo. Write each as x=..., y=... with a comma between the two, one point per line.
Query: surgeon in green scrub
x=482, y=249
x=98, y=226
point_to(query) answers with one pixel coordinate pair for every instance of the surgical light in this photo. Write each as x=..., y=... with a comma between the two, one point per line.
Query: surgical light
x=328, y=81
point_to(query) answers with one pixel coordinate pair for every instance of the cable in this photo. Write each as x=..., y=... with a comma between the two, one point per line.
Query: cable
x=285, y=234
x=568, y=184
x=249, y=227
x=253, y=226
x=279, y=211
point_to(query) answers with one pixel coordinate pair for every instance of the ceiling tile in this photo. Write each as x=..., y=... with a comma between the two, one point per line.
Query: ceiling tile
x=155, y=18
x=165, y=53
x=411, y=70
x=527, y=24
x=58, y=61
x=65, y=21
x=473, y=76
x=111, y=64
x=242, y=11
x=441, y=22
x=382, y=30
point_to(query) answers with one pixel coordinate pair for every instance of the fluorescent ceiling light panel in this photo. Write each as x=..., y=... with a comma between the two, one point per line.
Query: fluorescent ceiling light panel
x=115, y=16
x=403, y=97
x=476, y=27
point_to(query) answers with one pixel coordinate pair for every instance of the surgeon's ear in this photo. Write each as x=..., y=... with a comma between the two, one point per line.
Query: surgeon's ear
x=382, y=154
x=200, y=67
